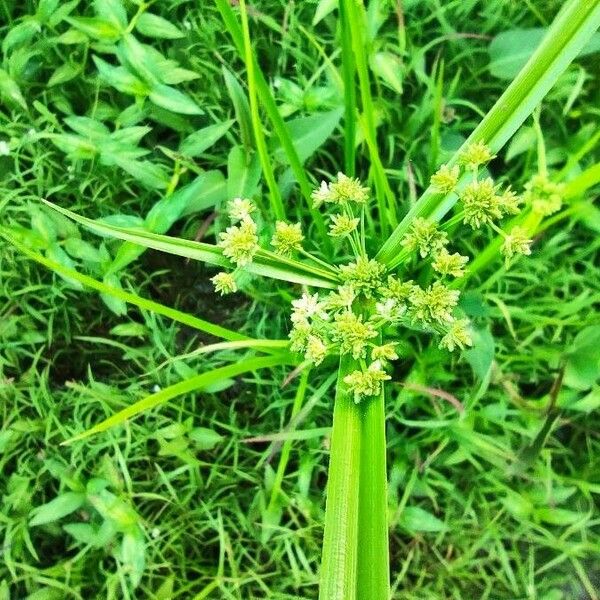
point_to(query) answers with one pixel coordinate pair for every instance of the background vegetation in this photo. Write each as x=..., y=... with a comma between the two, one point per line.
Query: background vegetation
x=200, y=499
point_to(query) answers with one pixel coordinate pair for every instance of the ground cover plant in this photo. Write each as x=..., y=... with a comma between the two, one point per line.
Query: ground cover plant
x=398, y=217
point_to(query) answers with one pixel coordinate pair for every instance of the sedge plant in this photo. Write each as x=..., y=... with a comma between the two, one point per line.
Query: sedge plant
x=370, y=276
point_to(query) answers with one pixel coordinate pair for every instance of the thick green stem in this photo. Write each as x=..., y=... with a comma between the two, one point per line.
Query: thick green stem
x=373, y=557
x=355, y=563
x=340, y=540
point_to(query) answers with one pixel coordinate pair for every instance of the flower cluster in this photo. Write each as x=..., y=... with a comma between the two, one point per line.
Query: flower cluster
x=364, y=315
x=483, y=204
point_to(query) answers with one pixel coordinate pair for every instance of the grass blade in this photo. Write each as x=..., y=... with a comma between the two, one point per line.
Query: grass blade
x=259, y=136
x=348, y=74
x=184, y=387
x=279, y=126
x=571, y=29
x=265, y=264
x=353, y=19
x=143, y=303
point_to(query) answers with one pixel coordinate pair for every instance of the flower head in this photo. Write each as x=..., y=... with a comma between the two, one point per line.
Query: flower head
x=308, y=307
x=224, y=283
x=445, y=179
x=321, y=194
x=287, y=238
x=364, y=275
x=450, y=264
x=516, y=242
x=240, y=209
x=509, y=203
x=401, y=291
x=544, y=195
x=240, y=242
x=457, y=336
x=352, y=333
x=342, y=225
x=389, y=310
x=348, y=189
x=425, y=237
x=316, y=349
x=433, y=304
x=299, y=335
x=480, y=203
x=474, y=155
x=385, y=352
x=366, y=383
x=343, y=298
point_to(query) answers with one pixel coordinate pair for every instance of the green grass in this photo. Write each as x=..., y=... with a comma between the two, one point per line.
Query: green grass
x=221, y=492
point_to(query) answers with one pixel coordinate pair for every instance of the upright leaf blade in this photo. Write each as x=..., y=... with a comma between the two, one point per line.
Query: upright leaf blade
x=570, y=31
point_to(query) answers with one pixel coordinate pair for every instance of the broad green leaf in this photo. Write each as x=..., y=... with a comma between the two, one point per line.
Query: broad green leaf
x=205, y=439
x=84, y=533
x=416, y=519
x=243, y=173
x=112, y=294
x=96, y=28
x=481, y=355
x=582, y=369
x=154, y=26
x=559, y=516
x=112, y=11
x=55, y=253
x=133, y=555
x=120, y=78
x=171, y=99
x=137, y=57
x=74, y=145
x=63, y=74
x=324, y=7
x=199, y=141
x=20, y=34
x=9, y=90
x=83, y=250
x=149, y=174
x=113, y=508
x=309, y=133
x=510, y=50
x=58, y=508
x=389, y=68
x=63, y=10
x=87, y=127
x=193, y=384
x=207, y=190
x=46, y=9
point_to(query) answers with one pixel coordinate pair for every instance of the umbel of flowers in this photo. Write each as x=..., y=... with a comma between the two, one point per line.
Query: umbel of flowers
x=367, y=313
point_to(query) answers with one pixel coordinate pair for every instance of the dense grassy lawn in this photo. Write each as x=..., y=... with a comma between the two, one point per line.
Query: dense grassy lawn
x=493, y=453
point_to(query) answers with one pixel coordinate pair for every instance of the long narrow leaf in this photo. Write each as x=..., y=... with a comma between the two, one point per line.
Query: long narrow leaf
x=279, y=126
x=184, y=387
x=143, y=303
x=257, y=127
x=571, y=29
x=265, y=264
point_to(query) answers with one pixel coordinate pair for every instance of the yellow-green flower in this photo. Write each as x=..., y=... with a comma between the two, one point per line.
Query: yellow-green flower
x=366, y=383
x=458, y=336
x=342, y=225
x=450, y=264
x=475, y=155
x=445, y=179
x=224, y=283
x=240, y=242
x=425, y=237
x=287, y=238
